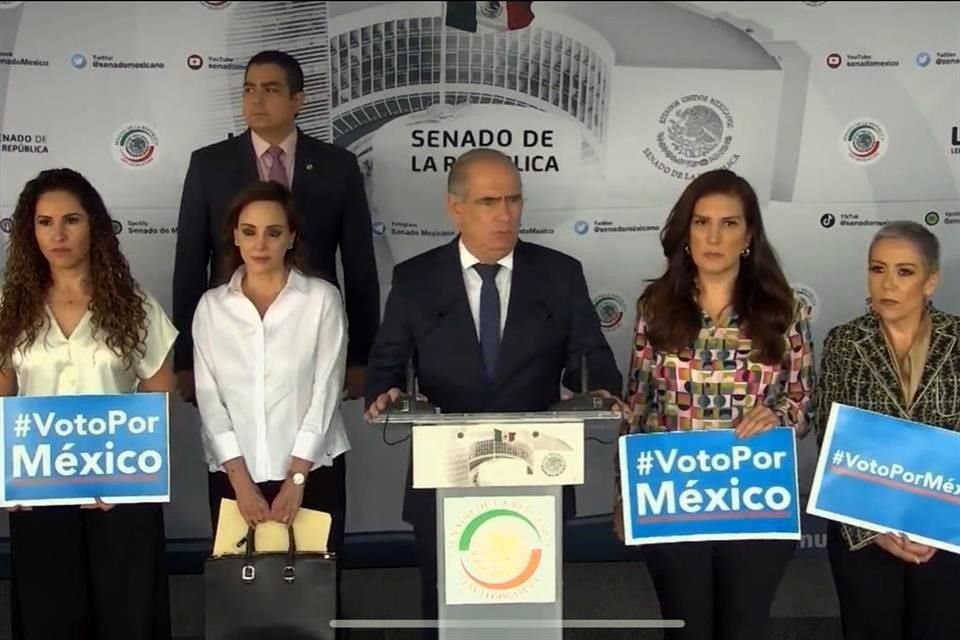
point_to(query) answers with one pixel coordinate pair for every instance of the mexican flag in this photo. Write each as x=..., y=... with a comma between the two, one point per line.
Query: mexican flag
x=488, y=16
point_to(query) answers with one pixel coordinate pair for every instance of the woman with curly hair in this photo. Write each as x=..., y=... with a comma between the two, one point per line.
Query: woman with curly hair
x=73, y=321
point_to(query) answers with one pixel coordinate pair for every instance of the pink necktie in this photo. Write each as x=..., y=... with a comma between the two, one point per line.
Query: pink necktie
x=277, y=171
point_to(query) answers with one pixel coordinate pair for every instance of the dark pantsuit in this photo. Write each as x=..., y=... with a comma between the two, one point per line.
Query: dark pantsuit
x=551, y=332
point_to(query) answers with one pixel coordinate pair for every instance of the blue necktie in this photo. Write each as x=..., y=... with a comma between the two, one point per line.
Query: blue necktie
x=489, y=315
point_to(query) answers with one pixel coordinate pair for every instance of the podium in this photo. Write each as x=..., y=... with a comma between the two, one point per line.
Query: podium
x=499, y=481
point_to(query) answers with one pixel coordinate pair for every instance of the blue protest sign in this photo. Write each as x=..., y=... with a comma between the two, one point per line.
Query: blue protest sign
x=709, y=485
x=72, y=449
x=888, y=474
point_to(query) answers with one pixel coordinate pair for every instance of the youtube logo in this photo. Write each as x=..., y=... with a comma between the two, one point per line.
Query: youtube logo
x=834, y=60
x=194, y=61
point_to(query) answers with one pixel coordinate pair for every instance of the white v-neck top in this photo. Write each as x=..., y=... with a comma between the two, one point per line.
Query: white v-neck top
x=83, y=365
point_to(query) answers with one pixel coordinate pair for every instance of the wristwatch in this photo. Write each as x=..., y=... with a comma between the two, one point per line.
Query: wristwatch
x=298, y=479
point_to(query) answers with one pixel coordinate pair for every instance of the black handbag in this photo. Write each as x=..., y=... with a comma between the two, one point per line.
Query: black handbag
x=289, y=595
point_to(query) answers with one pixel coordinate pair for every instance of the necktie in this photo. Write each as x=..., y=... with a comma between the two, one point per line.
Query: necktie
x=277, y=171
x=489, y=315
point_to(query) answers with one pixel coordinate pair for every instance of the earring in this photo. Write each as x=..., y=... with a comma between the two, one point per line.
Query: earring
x=746, y=252
x=686, y=248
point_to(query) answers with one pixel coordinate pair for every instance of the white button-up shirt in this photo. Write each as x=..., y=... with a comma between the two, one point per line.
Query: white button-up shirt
x=473, y=282
x=270, y=388
x=55, y=365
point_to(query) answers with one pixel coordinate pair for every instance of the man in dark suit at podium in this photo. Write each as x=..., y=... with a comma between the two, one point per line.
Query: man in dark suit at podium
x=493, y=324
x=328, y=191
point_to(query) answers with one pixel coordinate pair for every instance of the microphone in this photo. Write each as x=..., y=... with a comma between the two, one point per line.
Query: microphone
x=584, y=401
x=411, y=379
x=409, y=403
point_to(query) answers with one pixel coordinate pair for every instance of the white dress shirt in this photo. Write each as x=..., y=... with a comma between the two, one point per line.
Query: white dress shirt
x=473, y=282
x=82, y=364
x=270, y=388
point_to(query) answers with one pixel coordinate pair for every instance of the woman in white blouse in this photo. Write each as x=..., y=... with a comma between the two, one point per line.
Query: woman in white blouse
x=269, y=359
x=73, y=321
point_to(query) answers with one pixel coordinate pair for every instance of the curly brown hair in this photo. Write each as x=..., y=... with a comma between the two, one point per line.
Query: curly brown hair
x=117, y=302
x=762, y=296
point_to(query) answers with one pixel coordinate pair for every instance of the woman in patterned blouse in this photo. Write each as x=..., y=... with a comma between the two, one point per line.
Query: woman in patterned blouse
x=900, y=359
x=720, y=343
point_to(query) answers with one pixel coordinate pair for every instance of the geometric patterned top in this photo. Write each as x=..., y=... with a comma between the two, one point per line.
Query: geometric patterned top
x=712, y=384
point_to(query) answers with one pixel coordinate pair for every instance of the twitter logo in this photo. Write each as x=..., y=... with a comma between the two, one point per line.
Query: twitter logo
x=78, y=61
x=923, y=59
x=581, y=227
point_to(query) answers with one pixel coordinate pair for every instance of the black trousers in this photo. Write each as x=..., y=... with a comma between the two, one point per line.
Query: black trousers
x=86, y=574
x=721, y=590
x=884, y=598
x=325, y=490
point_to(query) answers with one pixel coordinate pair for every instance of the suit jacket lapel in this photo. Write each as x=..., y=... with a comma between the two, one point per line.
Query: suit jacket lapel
x=876, y=357
x=246, y=160
x=524, y=312
x=942, y=343
x=304, y=165
x=452, y=312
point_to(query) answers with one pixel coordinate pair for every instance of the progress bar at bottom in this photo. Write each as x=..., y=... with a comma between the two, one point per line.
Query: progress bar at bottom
x=507, y=624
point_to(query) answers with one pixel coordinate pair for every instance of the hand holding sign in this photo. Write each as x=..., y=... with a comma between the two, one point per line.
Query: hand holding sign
x=901, y=547
x=758, y=420
x=99, y=504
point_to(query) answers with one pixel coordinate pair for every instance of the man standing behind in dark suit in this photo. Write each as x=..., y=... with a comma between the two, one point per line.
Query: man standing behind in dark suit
x=328, y=192
x=493, y=324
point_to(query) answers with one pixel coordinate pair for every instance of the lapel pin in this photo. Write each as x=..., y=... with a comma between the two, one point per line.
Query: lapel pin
x=309, y=166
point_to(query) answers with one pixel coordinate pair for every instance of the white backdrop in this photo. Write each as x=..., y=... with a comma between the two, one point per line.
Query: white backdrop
x=635, y=98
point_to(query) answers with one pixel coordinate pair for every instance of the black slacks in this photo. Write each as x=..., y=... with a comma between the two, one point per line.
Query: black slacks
x=86, y=574
x=884, y=598
x=721, y=590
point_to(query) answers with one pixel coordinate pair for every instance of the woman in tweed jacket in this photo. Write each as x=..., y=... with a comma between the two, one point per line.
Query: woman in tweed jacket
x=901, y=359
